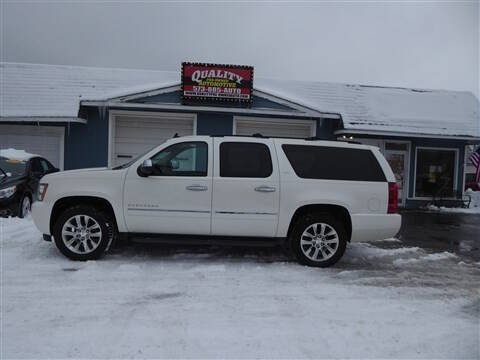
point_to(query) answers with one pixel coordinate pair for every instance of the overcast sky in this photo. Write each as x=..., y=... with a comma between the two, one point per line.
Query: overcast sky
x=412, y=44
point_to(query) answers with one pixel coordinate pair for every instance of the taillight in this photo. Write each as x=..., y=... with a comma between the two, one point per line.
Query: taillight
x=392, y=198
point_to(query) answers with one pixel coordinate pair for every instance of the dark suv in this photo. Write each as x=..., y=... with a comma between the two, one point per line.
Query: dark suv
x=18, y=183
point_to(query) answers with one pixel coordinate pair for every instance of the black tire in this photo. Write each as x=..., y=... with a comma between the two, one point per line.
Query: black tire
x=103, y=220
x=21, y=212
x=305, y=222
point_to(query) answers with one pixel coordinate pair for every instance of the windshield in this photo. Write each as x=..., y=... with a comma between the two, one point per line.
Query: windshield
x=12, y=167
x=127, y=164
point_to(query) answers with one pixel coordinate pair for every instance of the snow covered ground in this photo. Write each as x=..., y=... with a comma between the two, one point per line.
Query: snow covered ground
x=383, y=300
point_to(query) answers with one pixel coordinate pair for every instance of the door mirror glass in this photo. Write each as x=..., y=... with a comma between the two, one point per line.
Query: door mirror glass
x=146, y=169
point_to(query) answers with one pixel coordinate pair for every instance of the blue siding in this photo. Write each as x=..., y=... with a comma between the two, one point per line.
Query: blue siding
x=214, y=124
x=86, y=145
x=326, y=128
x=174, y=97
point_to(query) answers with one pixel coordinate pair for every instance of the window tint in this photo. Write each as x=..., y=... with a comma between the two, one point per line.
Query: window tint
x=333, y=163
x=45, y=165
x=35, y=166
x=182, y=159
x=244, y=159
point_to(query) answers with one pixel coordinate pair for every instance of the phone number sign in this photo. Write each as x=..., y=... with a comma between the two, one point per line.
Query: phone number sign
x=216, y=83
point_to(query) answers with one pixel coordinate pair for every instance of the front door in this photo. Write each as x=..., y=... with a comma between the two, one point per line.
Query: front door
x=177, y=198
x=398, y=162
x=245, y=187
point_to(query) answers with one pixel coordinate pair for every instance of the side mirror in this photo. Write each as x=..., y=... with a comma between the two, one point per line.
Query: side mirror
x=174, y=164
x=146, y=169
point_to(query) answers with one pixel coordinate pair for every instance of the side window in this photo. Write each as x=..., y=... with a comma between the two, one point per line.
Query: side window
x=334, y=163
x=244, y=159
x=35, y=166
x=182, y=159
x=44, y=165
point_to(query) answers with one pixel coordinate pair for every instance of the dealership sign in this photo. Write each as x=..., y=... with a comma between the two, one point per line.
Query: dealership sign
x=216, y=83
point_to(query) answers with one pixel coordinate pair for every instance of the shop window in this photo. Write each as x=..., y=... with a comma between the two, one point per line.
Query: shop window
x=435, y=173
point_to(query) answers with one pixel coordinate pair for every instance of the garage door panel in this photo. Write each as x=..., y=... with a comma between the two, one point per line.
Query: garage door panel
x=137, y=134
x=268, y=127
x=41, y=140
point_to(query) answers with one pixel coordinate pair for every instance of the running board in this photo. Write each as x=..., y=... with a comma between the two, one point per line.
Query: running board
x=202, y=240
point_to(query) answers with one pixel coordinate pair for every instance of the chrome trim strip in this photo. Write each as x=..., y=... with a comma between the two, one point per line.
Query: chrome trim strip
x=244, y=213
x=170, y=210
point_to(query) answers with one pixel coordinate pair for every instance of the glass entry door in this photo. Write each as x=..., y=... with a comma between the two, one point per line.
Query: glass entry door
x=398, y=162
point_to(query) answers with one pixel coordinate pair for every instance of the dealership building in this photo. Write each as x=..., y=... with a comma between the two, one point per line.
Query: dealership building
x=80, y=117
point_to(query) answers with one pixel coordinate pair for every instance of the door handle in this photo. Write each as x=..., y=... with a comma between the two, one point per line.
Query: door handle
x=265, y=188
x=197, y=188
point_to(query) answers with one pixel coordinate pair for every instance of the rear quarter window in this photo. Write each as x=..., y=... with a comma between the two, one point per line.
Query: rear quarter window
x=334, y=163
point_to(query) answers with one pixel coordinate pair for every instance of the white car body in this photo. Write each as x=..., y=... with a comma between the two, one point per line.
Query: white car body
x=225, y=206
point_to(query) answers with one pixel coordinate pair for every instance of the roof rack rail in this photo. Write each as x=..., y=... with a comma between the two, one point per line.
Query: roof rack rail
x=258, y=135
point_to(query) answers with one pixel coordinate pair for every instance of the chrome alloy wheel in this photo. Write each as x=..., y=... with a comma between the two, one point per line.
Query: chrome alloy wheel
x=81, y=234
x=319, y=242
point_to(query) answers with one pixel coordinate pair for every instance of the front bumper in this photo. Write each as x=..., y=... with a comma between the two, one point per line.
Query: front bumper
x=41, y=216
x=10, y=206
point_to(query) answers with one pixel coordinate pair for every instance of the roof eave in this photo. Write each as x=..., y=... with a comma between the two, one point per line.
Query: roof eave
x=48, y=119
x=407, y=134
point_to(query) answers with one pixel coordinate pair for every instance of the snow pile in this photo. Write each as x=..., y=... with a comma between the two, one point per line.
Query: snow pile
x=443, y=209
x=14, y=154
x=430, y=257
x=475, y=198
x=167, y=302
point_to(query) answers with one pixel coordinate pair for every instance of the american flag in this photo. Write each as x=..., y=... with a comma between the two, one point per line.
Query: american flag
x=475, y=159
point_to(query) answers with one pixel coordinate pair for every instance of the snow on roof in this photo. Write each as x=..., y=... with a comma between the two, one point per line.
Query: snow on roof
x=15, y=154
x=56, y=90
x=33, y=90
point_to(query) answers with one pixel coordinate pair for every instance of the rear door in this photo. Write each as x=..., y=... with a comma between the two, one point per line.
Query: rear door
x=246, y=187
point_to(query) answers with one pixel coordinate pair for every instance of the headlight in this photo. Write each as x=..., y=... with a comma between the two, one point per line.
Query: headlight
x=7, y=192
x=42, y=191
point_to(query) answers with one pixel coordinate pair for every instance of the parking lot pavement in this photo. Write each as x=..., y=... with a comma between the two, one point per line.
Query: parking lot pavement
x=394, y=298
x=440, y=231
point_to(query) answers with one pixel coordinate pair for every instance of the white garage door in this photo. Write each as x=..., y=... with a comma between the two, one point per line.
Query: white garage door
x=46, y=141
x=136, y=133
x=274, y=127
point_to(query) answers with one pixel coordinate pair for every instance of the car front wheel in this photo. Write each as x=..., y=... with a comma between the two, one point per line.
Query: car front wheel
x=25, y=207
x=83, y=233
x=318, y=240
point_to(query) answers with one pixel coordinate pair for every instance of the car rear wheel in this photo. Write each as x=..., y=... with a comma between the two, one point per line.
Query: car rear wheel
x=25, y=207
x=318, y=240
x=83, y=233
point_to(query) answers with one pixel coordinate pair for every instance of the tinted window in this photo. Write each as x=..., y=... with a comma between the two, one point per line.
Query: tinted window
x=333, y=163
x=45, y=165
x=244, y=159
x=182, y=159
x=35, y=166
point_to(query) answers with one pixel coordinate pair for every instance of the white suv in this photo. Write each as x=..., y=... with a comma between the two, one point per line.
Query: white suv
x=310, y=196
